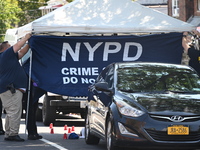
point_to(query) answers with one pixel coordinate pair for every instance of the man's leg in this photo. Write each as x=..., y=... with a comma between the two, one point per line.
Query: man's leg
x=12, y=103
x=15, y=113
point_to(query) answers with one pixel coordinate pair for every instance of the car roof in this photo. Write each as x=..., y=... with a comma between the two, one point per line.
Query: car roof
x=156, y=64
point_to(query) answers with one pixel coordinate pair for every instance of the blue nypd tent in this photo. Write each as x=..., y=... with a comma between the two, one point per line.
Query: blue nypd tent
x=68, y=64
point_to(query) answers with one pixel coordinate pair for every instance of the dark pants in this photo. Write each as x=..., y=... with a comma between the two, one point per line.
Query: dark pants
x=35, y=94
x=31, y=123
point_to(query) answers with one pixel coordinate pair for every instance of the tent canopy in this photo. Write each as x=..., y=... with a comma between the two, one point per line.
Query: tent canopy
x=105, y=16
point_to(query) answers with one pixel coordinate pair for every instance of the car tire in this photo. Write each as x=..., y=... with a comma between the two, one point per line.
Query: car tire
x=109, y=137
x=89, y=138
x=48, y=112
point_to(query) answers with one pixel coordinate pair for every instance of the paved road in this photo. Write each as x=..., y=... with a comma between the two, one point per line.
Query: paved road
x=51, y=141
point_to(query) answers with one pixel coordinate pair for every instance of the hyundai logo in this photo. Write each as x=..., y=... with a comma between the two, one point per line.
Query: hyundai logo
x=177, y=118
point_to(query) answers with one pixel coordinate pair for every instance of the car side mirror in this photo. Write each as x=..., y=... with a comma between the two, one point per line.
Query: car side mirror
x=102, y=86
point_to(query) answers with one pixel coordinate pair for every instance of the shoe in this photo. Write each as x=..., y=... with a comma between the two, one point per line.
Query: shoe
x=2, y=132
x=34, y=137
x=14, y=138
x=38, y=136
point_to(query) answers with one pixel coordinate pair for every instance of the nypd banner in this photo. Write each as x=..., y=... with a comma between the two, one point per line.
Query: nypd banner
x=68, y=65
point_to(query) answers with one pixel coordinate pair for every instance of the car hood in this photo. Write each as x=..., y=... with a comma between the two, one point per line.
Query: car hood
x=188, y=104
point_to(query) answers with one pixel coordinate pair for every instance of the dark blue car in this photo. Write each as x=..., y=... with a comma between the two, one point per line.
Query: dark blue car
x=145, y=105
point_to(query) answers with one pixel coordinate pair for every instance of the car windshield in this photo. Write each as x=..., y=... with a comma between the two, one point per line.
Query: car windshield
x=154, y=79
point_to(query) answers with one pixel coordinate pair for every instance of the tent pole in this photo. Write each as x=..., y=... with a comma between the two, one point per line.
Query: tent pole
x=29, y=90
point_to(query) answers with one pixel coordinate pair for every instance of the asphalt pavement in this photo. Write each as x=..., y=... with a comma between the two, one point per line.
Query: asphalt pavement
x=52, y=140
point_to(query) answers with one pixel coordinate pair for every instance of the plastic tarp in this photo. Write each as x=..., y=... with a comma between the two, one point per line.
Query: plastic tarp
x=67, y=65
x=105, y=16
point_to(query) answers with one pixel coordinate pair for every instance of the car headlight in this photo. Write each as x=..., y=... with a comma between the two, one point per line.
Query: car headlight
x=127, y=110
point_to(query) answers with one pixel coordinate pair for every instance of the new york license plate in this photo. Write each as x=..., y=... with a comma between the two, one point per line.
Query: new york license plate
x=178, y=130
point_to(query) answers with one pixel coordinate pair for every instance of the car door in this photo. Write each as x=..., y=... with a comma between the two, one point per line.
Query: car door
x=103, y=99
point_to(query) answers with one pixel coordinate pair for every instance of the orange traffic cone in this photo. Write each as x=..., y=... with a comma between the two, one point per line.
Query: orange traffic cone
x=65, y=127
x=52, y=131
x=65, y=136
x=69, y=130
x=51, y=125
x=73, y=128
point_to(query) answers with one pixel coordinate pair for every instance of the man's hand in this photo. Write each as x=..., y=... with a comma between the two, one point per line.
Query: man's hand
x=21, y=43
x=27, y=36
x=196, y=32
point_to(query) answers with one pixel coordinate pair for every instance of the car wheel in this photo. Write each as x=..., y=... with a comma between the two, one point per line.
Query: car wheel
x=89, y=138
x=48, y=112
x=109, y=137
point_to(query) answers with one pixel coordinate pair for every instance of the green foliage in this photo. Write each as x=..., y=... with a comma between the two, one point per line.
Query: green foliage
x=16, y=13
x=8, y=16
x=30, y=10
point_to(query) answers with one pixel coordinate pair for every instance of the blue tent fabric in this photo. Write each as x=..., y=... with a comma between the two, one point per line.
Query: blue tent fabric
x=68, y=65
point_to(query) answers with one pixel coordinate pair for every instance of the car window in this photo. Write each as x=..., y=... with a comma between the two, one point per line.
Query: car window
x=103, y=74
x=157, y=79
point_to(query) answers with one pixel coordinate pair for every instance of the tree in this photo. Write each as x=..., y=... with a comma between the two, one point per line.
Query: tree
x=8, y=16
x=15, y=13
x=30, y=10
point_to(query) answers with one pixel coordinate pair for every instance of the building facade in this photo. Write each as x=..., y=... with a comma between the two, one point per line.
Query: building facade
x=52, y=5
x=152, y=2
x=185, y=10
x=159, y=5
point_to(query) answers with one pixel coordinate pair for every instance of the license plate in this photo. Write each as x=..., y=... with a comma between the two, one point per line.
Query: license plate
x=178, y=130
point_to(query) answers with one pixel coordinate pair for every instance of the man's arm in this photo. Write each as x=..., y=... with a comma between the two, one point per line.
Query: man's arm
x=21, y=43
x=23, y=51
